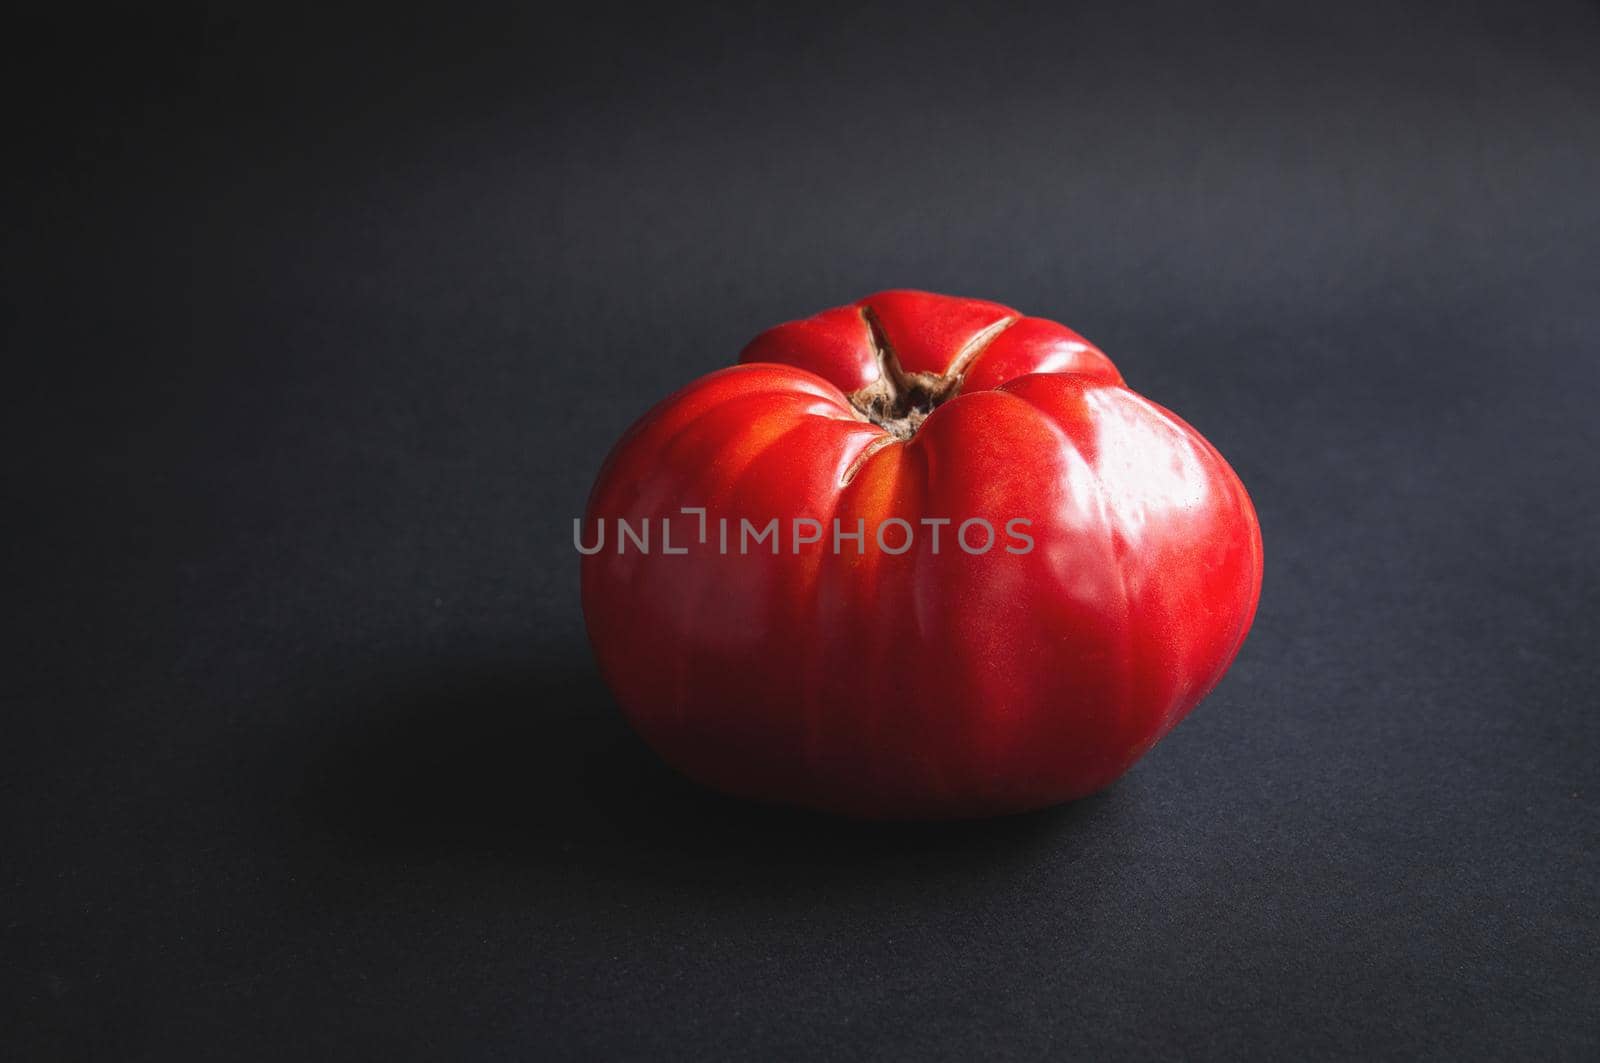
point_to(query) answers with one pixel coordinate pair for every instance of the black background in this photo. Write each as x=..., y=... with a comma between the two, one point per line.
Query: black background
x=318, y=328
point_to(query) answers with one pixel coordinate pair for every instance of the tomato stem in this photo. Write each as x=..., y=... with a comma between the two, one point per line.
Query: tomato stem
x=898, y=401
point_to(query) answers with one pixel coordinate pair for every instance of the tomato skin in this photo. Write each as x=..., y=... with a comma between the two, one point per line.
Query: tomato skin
x=926, y=684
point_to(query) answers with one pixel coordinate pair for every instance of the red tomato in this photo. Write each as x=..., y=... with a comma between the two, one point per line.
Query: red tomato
x=904, y=673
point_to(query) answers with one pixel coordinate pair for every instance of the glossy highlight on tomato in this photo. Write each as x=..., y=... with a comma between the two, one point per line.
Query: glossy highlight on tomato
x=928, y=682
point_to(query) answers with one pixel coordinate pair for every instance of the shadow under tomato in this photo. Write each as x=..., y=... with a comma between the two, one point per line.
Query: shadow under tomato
x=534, y=765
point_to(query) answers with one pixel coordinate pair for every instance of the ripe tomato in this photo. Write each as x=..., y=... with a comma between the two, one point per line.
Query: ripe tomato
x=901, y=672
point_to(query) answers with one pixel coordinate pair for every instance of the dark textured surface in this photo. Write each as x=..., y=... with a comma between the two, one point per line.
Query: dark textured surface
x=317, y=331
